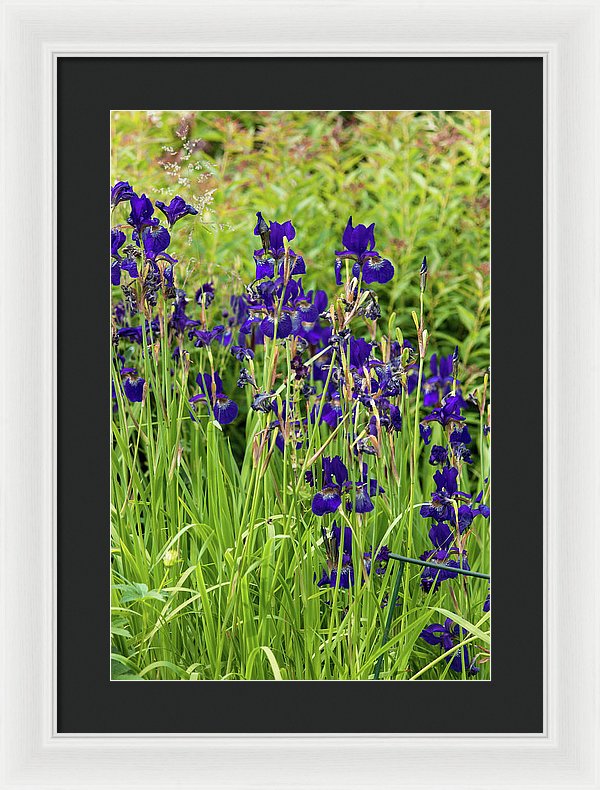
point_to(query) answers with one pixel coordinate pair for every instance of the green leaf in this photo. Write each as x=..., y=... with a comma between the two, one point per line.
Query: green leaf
x=138, y=591
x=473, y=629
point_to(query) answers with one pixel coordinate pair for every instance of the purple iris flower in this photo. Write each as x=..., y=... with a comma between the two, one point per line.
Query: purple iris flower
x=452, y=557
x=486, y=604
x=483, y=509
x=399, y=373
x=425, y=432
x=180, y=322
x=381, y=559
x=364, y=503
x=439, y=455
x=305, y=311
x=444, y=509
x=390, y=418
x=445, y=495
x=205, y=294
x=318, y=335
x=336, y=485
x=264, y=268
x=335, y=479
x=141, y=212
x=360, y=352
x=278, y=231
x=117, y=239
x=273, y=251
x=131, y=333
x=447, y=635
x=332, y=410
x=121, y=192
x=333, y=544
x=135, y=333
x=176, y=210
x=204, y=337
x=133, y=385
x=115, y=272
x=395, y=418
x=155, y=239
x=448, y=413
x=346, y=575
x=460, y=435
x=446, y=481
x=129, y=265
x=439, y=382
x=459, y=439
x=241, y=353
x=442, y=534
x=263, y=310
x=359, y=245
x=284, y=326
x=365, y=489
x=224, y=409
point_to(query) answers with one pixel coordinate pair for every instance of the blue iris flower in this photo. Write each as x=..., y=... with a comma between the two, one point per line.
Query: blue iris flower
x=447, y=635
x=336, y=484
x=439, y=382
x=270, y=259
x=121, y=192
x=448, y=413
x=224, y=409
x=141, y=212
x=133, y=385
x=175, y=210
x=439, y=455
x=359, y=246
x=425, y=432
x=453, y=557
x=335, y=481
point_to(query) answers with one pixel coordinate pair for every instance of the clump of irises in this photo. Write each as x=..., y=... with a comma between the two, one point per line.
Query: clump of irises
x=313, y=381
x=451, y=512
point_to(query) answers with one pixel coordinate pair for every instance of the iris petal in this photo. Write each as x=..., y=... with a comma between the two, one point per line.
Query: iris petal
x=225, y=410
x=130, y=266
x=377, y=271
x=326, y=501
x=115, y=272
x=134, y=389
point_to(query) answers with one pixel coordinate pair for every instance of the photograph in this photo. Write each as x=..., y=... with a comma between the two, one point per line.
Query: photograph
x=300, y=395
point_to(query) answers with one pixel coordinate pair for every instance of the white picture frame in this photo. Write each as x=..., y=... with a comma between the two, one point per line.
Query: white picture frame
x=567, y=36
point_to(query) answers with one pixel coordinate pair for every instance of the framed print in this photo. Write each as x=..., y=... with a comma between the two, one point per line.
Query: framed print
x=257, y=454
